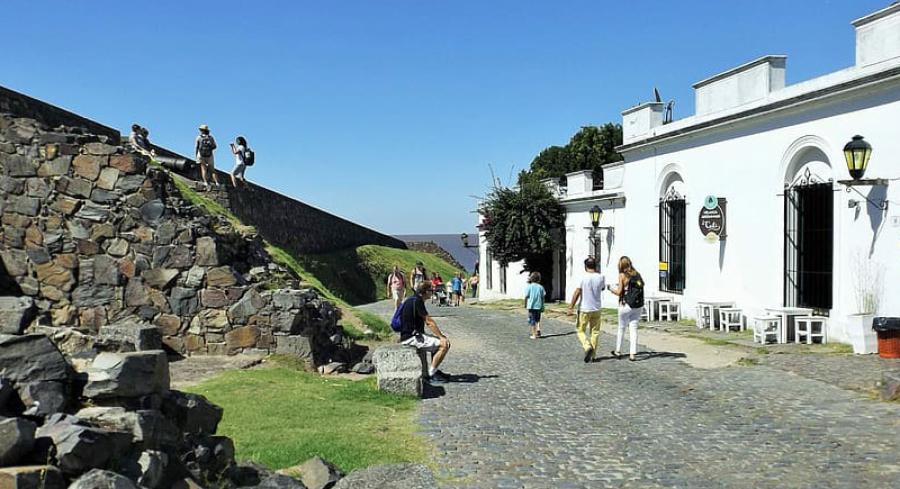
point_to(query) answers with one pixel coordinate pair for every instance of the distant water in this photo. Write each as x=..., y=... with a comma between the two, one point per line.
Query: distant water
x=450, y=242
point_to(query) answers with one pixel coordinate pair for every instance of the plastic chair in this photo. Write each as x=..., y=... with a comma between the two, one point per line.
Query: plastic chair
x=810, y=327
x=729, y=318
x=669, y=311
x=764, y=327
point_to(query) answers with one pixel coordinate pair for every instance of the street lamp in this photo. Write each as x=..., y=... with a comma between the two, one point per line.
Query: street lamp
x=596, y=212
x=465, y=241
x=857, y=153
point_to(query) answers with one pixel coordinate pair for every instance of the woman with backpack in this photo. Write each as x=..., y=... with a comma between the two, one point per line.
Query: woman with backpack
x=630, y=290
x=204, y=146
x=243, y=157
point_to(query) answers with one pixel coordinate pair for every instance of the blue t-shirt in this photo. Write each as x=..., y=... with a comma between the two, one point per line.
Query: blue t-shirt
x=534, y=294
x=456, y=284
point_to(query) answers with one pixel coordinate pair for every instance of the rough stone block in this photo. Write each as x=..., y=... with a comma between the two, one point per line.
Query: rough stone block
x=128, y=375
x=214, y=298
x=56, y=167
x=249, y=305
x=280, y=481
x=43, y=398
x=32, y=358
x=243, y=337
x=16, y=440
x=168, y=324
x=399, y=370
x=287, y=299
x=183, y=301
x=206, y=252
x=77, y=448
x=160, y=278
x=407, y=476
x=127, y=163
x=141, y=336
x=220, y=277
x=32, y=477
x=87, y=166
x=102, y=479
x=192, y=413
x=294, y=345
x=15, y=314
x=107, y=178
x=148, y=469
x=149, y=427
x=890, y=385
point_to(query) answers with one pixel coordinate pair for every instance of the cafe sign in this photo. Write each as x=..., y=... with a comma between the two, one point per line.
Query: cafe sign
x=712, y=218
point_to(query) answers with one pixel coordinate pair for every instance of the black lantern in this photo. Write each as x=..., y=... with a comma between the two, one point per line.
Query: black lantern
x=857, y=153
x=596, y=212
x=465, y=239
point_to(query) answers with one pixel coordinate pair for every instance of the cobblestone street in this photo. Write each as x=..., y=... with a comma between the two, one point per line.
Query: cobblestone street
x=530, y=414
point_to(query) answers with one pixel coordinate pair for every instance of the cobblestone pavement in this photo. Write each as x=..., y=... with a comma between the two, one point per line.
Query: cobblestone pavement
x=530, y=414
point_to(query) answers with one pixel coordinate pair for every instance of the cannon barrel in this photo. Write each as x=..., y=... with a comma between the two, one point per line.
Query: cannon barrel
x=176, y=164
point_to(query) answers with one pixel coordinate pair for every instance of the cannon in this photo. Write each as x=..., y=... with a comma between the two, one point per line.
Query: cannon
x=179, y=165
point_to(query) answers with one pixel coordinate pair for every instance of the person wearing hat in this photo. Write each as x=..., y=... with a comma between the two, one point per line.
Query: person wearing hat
x=203, y=148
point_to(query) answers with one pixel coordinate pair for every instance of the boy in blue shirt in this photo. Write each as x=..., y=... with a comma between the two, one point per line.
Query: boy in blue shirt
x=534, y=302
x=456, y=288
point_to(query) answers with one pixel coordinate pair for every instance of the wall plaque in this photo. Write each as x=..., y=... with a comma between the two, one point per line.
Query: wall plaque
x=712, y=218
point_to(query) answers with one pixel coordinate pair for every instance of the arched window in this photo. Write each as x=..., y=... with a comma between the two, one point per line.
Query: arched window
x=672, y=237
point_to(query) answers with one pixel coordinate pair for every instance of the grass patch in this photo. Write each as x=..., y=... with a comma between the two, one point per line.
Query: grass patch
x=374, y=322
x=748, y=362
x=359, y=276
x=207, y=204
x=761, y=350
x=280, y=417
x=714, y=341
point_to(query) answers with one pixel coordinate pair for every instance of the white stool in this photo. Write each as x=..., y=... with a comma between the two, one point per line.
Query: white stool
x=765, y=326
x=669, y=311
x=730, y=317
x=645, y=313
x=811, y=327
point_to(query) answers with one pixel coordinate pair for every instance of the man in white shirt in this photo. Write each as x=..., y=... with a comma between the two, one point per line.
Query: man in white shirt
x=588, y=321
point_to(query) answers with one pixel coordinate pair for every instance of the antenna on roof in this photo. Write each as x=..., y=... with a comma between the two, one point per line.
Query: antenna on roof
x=656, y=95
x=669, y=116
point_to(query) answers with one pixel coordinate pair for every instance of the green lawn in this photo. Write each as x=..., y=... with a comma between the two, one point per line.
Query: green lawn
x=281, y=417
x=359, y=276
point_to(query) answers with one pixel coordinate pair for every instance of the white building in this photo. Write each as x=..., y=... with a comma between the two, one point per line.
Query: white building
x=796, y=234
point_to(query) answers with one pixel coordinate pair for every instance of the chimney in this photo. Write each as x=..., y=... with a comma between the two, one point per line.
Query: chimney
x=741, y=85
x=878, y=36
x=637, y=122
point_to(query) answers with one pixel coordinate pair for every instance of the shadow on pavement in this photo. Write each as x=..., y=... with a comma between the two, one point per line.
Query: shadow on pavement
x=430, y=391
x=648, y=355
x=570, y=333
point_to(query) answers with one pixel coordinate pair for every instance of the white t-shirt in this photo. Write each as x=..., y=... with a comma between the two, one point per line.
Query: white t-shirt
x=591, y=287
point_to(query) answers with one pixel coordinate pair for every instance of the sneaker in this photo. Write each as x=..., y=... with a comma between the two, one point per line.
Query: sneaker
x=538, y=334
x=533, y=337
x=588, y=355
x=615, y=354
x=439, y=378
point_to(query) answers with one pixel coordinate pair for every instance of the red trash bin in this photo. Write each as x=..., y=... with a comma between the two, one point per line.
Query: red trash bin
x=888, y=329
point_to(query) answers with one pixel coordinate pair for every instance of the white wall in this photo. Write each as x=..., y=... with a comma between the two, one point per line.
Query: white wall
x=610, y=231
x=747, y=163
x=515, y=279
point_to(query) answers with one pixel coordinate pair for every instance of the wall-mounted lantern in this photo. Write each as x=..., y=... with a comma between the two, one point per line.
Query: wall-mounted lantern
x=857, y=153
x=596, y=213
x=465, y=241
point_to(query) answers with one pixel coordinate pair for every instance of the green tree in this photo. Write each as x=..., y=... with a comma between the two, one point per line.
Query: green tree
x=519, y=222
x=589, y=149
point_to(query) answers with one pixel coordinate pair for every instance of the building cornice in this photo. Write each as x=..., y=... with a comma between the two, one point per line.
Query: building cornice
x=780, y=105
x=737, y=69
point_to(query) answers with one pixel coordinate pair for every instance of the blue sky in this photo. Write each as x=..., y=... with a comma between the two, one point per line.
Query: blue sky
x=390, y=112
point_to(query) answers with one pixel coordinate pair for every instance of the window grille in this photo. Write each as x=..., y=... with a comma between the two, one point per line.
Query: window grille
x=672, y=212
x=808, y=244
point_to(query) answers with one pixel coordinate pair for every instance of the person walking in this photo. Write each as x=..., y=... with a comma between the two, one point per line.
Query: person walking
x=204, y=146
x=243, y=157
x=473, y=285
x=588, y=296
x=630, y=290
x=418, y=275
x=534, y=303
x=413, y=318
x=396, y=286
x=456, y=286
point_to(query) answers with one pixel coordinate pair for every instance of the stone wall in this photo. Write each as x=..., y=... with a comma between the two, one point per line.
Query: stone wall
x=96, y=236
x=12, y=102
x=293, y=225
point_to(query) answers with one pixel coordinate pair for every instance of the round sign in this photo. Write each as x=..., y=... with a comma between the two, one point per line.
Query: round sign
x=712, y=219
x=710, y=202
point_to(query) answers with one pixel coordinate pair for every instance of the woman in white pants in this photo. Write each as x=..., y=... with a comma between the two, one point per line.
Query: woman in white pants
x=630, y=284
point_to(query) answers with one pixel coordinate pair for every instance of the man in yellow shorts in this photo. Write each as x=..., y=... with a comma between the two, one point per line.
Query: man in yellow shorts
x=588, y=322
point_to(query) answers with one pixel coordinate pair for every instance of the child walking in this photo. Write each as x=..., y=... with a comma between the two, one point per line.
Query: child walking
x=534, y=302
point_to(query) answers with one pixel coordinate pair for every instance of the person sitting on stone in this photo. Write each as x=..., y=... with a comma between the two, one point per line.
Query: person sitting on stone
x=413, y=318
x=140, y=140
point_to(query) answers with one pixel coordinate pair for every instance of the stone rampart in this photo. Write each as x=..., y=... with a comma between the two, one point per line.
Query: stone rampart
x=95, y=236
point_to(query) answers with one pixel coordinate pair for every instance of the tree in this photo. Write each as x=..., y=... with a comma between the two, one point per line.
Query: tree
x=589, y=149
x=519, y=222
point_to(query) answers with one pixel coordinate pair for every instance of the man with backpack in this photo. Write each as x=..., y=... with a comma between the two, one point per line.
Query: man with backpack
x=410, y=320
x=203, y=149
x=588, y=320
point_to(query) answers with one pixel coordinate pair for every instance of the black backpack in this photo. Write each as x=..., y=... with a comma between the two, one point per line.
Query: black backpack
x=206, y=145
x=249, y=157
x=634, y=292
